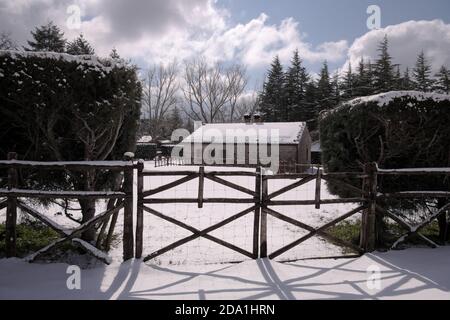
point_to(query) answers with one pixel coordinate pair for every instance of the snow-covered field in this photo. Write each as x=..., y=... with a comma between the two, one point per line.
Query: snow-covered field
x=410, y=274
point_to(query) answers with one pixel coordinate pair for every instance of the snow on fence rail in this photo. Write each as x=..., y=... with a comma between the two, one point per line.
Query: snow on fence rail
x=13, y=202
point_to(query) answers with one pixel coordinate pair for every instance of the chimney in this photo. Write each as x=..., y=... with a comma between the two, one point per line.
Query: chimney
x=257, y=118
x=247, y=118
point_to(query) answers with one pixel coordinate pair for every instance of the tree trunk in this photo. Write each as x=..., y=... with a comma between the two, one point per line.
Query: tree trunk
x=444, y=234
x=88, y=211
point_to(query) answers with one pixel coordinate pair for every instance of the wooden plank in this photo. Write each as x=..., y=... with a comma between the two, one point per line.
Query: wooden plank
x=67, y=165
x=196, y=233
x=44, y=219
x=232, y=173
x=257, y=214
x=74, y=233
x=313, y=231
x=140, y=211
x=229, y=184
x=201, y=185
x=195, y=200
x=26, y=193
x=3, y=204
x=290, y=187
x=346, y=185
x=128, y=238
x=416, y=194
x=414, y=171
x=313, y=202
x=11, y=211
x=169, y=185
x=318, y=186
x=168, y=173
x=263, y=231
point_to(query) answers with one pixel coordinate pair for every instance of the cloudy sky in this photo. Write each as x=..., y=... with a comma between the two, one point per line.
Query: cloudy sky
x=245, y=31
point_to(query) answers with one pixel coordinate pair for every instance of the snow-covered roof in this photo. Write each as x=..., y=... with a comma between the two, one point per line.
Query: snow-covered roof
x=383, y=99
x=145, y=139
x=272, y=132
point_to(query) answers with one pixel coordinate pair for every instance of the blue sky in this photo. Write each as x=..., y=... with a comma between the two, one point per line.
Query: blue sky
x=333, y=20
x=248, y=32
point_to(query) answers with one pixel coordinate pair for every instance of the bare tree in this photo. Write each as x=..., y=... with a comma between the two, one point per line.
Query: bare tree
x=160, y=95
x=6, y=43
x=212, y=93
x=247, y=104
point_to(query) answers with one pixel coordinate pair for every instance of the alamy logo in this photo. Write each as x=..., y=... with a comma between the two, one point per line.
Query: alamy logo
x=74, y=280
x=74, y=20
x=374, y=20
x=250, y=146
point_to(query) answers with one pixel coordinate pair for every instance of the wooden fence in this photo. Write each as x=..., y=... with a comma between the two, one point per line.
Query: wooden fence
x=14, y=201
x=367, y=198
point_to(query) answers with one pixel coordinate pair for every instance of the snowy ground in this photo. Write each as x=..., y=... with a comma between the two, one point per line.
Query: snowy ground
x=194, y=271
x=410, y=274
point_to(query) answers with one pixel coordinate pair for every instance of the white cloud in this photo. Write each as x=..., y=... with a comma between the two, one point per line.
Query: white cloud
x=158, y=31
x=406, y=41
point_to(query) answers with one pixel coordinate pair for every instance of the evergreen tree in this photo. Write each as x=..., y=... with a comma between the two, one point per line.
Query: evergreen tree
x=383, y=73
x=325, y=89
x=80, y=46
x=47, y=38
x=397, y=81
x=443, y=81
x=422, y=71
x=336, y=89
x=272, y=104
x=296, y=81
x=348, y=83
x=407, y=84
x=175, y=120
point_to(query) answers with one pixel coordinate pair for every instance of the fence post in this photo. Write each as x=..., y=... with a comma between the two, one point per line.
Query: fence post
x=257, y=212
x=201, y=183
x=263, y=234
x=368, y=221
x=140, y=210
x=11, y=211
x=128, y=239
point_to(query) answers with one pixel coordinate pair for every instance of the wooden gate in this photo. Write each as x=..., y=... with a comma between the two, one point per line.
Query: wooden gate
x=262, y=207
x=146, y=198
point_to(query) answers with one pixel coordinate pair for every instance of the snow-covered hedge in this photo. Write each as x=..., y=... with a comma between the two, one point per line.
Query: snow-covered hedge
x=52, y=96
x=402, y=129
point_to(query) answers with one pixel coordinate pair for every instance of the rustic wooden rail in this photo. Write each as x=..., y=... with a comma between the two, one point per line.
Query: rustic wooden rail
x=14, y=201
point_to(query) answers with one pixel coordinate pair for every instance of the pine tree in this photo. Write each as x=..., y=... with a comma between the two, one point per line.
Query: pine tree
x=80, y=46
x=47, y=38
x=407, y=84
x=295, y=90
x=325, y=89
x=384, y=78
x=397, y=80
x=443, y=81
x=272, y=104
x=422, y=71
x=348, y=83
x=335, y=89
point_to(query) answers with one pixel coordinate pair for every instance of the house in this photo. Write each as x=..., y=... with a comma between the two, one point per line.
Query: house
x=250, y=143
